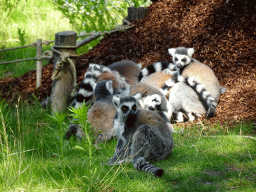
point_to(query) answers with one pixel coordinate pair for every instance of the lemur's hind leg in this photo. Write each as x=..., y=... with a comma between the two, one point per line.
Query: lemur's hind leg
x=146, y=145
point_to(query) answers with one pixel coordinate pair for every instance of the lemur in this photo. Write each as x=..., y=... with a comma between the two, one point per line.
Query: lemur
x=189, y=67
x=100, y=115
x=143, y=135
x=152, y=97
x=127, y=69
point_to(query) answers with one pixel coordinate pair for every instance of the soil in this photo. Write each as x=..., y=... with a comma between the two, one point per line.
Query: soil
x=222, y=33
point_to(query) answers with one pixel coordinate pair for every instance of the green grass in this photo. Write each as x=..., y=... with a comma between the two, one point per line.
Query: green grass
x=35, y=157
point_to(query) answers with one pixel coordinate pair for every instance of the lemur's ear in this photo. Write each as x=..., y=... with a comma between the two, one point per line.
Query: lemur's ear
x=138, y=96
x=190, y=51
x=116, y=101
x=172, y=51
x=110, y=87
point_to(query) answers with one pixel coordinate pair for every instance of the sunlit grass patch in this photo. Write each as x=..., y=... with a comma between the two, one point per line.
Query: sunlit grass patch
x=206, y=163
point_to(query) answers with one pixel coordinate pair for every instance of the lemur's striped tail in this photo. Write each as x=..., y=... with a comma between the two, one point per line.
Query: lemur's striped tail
x=156, y=67
x=141, y=164
x=86, y=87
x=205, y=97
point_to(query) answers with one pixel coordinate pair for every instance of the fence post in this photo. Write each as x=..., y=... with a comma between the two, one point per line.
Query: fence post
x=136, y=13
x=61, y=88
x=39, y=67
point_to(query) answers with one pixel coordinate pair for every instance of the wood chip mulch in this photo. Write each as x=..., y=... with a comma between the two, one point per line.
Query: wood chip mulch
x=222, y=33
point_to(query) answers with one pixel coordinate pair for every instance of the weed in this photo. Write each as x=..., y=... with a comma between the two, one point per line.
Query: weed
x=22, y=36
x=80, y=118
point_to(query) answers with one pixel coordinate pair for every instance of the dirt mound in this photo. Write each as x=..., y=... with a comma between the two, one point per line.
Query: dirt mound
x=222, y=33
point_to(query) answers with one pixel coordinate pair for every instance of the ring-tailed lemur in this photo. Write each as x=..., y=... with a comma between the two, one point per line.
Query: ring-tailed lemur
x=96, y=73
x=184, y=103
x=152, y=97
x=189, y=67
x=100, y=115
x=122, y=73
x=142, y=135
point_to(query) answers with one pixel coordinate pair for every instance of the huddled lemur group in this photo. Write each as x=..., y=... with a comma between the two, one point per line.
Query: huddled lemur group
x=137, y=105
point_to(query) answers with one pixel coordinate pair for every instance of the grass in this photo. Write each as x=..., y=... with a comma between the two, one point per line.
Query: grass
x=35, y=157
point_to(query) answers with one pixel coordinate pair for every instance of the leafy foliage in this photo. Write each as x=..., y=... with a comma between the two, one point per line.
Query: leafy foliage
x=96, y=15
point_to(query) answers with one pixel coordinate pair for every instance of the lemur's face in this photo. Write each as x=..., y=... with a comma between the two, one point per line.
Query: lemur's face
x=126, y=106
x=129, y=109
x=181, y=60
x=181, y=56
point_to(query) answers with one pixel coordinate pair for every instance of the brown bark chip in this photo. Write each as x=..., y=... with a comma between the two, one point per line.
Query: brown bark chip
x=222, y=33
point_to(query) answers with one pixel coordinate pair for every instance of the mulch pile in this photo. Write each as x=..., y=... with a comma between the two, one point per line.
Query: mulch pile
x=222, y=33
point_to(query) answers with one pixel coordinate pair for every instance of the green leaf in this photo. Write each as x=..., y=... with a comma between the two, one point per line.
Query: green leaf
x=79, y=147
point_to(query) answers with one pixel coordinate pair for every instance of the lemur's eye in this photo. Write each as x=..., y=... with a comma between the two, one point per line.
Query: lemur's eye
x=184, y=59
x=155, y=100
x=134, y=107
x=124, y=108
x=176, y=59
x=151, y=109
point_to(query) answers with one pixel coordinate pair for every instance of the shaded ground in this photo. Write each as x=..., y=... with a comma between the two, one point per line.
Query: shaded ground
x=222, y=34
